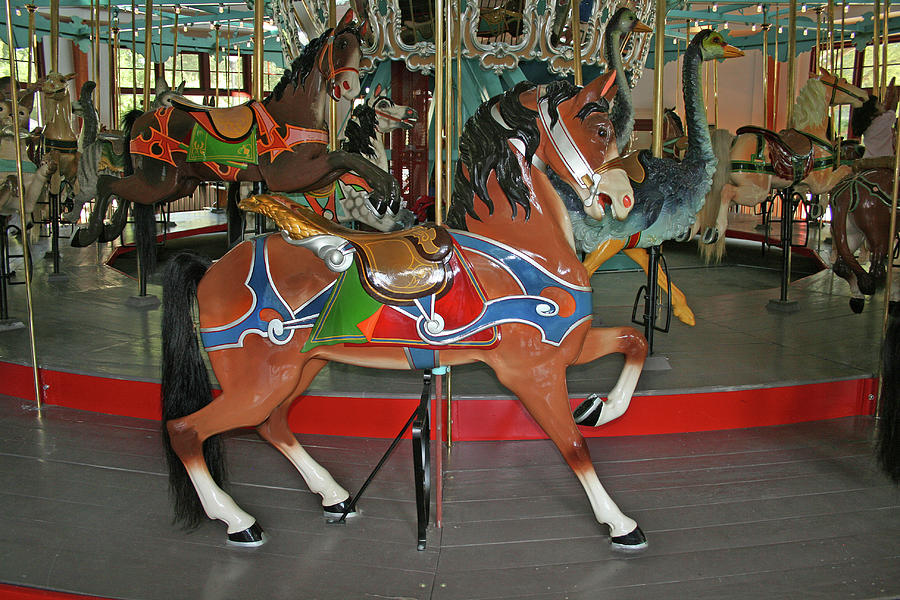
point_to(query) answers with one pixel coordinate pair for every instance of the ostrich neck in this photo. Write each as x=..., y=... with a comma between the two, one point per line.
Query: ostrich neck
x=699, y=142
x=622, y=115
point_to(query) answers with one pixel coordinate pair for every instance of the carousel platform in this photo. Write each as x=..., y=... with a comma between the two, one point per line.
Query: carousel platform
x=741, y=365
x=794, y=509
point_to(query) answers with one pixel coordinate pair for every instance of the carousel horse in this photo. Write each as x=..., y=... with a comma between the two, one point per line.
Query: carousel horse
x=861, y=214
x=671, y=192
x=346, y=200
x=58, y=135
x=505, y=289
x=281, y=141
x=36, y=177
x=103, y=152
x=674, y=139
x=762, y=160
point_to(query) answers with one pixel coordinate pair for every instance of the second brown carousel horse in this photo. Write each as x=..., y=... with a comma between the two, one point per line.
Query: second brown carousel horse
x=506, y=289
x=281, y=141
x=861, y=214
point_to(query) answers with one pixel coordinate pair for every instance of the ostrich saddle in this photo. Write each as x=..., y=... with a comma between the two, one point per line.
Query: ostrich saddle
x=394, y=268
x=790, y=152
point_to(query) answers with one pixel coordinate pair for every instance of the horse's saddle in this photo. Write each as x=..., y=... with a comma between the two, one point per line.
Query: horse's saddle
x=790, y=151
x=231, y=124
x=394, y=268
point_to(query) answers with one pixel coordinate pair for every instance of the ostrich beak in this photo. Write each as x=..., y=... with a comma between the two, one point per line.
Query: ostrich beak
x=732, y=52
x=641, y=27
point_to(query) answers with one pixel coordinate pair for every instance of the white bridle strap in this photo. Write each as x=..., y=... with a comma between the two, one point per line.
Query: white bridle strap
x=572, y=158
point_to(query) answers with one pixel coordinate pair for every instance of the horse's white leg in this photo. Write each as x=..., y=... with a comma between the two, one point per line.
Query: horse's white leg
x=276, y=431
x=546, y=399
x=601, y=341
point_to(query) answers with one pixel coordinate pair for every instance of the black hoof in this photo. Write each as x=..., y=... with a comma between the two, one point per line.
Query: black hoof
x=78, y=240
x=857, y=304
x=630, y=542
x=336, y=511
x=588, y=412
x=249, y=538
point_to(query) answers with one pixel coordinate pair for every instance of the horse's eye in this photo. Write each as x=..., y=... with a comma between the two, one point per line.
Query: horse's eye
x=343, y=44
x=602, y=131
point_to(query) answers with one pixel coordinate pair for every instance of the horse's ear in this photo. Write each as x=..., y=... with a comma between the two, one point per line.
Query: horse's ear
x=377, y=91
x=346, y=19
x=601, y=87
x=364, y=29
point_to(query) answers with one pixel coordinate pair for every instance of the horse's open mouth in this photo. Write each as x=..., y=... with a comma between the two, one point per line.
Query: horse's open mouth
x=604, y=203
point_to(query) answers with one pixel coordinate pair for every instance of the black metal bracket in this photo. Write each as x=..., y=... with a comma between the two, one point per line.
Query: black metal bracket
x=650, y=295
x=420, y=420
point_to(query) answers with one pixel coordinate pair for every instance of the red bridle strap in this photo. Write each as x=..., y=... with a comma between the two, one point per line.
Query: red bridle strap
x=328, y=51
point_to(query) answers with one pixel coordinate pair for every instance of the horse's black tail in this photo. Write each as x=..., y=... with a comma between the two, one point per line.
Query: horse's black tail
x=145, y=235
x=888, y=447
x=127, y=125
x=185, y=383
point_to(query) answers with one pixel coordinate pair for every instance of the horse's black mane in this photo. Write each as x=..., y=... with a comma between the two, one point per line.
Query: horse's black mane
x=303, y=64
x=676, y=120
x=360, y=131
x=484, y=148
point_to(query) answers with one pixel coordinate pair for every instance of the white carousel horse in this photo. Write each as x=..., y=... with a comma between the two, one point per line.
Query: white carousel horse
x=750, y=174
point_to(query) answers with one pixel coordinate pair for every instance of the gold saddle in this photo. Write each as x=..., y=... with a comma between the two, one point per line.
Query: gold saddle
x=233, y=123
x=394, y=268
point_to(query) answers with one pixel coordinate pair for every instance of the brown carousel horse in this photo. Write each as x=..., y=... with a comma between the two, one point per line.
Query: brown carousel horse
x=861, y=214
x=505, y=289
x=281, y=141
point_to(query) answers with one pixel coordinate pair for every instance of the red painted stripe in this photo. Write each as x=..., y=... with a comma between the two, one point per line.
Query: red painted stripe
x=14, y=592
x=492, y=419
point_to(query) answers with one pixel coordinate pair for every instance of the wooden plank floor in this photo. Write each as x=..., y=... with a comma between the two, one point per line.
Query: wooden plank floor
x=795, y=511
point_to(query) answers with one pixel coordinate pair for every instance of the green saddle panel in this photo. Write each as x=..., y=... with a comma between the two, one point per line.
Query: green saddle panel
x=204, y=147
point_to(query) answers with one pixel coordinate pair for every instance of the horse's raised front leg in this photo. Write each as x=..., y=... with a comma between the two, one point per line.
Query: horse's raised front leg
x=275, y=430
x=601, y=341
x=385, y=189
x=604, y=251
x=546, y=399
x=679, y=303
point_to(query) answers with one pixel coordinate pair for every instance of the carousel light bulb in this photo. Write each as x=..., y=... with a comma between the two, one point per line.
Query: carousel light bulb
x=177, y=10
x=725, y=26
x=221, y=7
x=852, y=34
x=715, y=7
x=805, y=31
x=185, y=28
x=846, y=8
x=803, y=8
x=780, y=29
x=696, y=23
x=759, y=8
x=18, y=12
x=753, y=27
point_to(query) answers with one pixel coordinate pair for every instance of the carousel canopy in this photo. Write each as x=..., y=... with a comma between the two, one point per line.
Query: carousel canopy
x=500, y=34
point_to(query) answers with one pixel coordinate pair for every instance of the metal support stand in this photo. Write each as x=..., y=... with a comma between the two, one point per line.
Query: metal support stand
x=6, y=324
x=420, y=420
x=143, y=299
x=53, y=253
x=652, y=305
x=783, y=305
x=259, y=187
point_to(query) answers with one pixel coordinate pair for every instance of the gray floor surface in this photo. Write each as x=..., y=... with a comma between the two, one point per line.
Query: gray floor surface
x=796, y=511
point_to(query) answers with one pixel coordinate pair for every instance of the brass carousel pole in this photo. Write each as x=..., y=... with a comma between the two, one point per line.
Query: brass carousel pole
x=216, y=86
x=54, y=35
x=775, y=76
x=884, y=47
x=175, y=48
x=95, y=47
x=890, y=272
x=876, y=48
x=792, y=61
x=32, y=51
x=658, y=51
x=831, y=46
x=765, y=74
x=437, y=103
x=14, y=100
x=576, y=42
x=332, y=104
x=133, y=59
x=148, y=50
x=841, y=70
x=112, y=45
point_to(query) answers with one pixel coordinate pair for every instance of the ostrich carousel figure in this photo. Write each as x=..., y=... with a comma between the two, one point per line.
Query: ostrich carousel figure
x=668, y=192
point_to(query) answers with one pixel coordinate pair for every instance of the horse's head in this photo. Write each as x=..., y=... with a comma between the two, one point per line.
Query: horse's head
x=579, y=143
x=840, y=91
x=388, y=115
x=339, y=57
